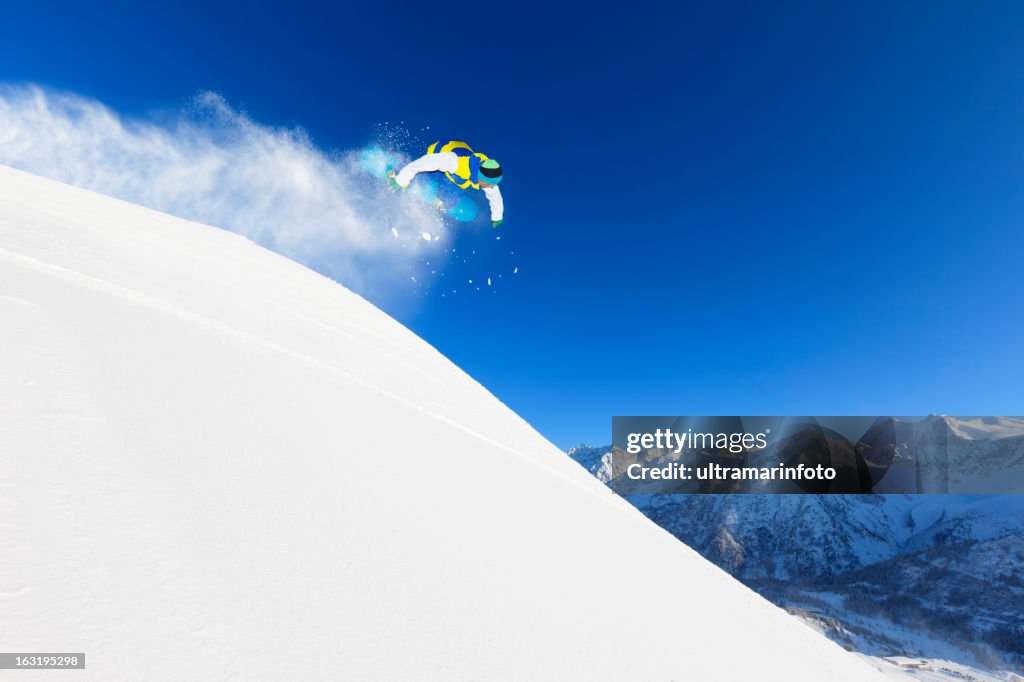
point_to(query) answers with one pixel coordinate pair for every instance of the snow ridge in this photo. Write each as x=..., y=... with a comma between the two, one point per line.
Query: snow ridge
x=213, y=455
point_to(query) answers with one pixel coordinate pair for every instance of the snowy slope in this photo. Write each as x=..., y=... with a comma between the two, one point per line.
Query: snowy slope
x=217, y=464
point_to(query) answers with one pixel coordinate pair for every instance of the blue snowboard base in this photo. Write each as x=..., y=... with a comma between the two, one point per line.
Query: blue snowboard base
x=453, y=201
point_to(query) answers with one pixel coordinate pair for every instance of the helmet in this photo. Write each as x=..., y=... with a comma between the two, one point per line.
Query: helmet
x=490, y=172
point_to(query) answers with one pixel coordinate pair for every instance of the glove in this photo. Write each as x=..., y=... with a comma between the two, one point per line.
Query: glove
x=497, y=223
x=392, y=182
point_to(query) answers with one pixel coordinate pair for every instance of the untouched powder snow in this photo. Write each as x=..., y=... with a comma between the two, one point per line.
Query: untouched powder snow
x=217, y=464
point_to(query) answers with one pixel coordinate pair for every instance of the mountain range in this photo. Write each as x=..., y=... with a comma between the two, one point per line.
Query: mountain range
x=885, y=574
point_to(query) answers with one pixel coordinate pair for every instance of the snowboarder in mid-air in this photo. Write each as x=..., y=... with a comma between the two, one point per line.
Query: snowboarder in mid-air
x=464, y=167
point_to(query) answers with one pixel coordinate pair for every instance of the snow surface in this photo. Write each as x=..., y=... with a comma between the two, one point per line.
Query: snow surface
x=936, y=670
x=217, y=464
x=981, y=428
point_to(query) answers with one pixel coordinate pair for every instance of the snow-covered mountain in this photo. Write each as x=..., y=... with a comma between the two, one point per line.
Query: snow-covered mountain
x=217, y=464
x=985, y=428
x=918, y=575
x=814, y=536
x=941, y=454
x=598, y=461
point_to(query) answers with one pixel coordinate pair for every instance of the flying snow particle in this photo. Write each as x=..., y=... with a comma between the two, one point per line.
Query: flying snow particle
x=426, y=236
x=516, y=270
x=394, y=232
x=488, y=281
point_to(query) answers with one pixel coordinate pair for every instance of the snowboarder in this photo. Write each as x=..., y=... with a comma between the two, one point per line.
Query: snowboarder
x=464, y=167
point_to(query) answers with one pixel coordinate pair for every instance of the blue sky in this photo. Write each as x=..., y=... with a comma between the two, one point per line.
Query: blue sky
x=727, y=208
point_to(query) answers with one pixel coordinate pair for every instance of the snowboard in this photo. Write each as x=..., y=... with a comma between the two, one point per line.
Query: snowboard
x=430, y=188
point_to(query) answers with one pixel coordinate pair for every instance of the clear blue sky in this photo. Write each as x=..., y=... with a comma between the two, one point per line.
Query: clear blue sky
x=723, y=208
